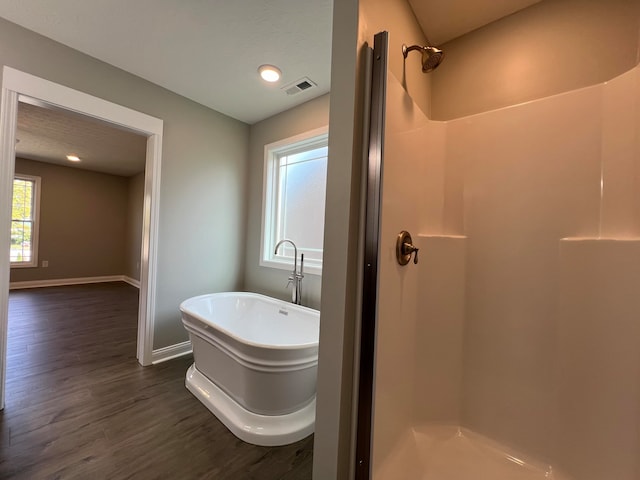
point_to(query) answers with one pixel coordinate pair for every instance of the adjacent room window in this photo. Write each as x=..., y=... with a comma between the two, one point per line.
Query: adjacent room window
x=24, y=221
x=294, y=200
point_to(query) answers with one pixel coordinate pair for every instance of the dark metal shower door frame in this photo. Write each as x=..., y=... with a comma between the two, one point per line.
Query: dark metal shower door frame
x=371, y=255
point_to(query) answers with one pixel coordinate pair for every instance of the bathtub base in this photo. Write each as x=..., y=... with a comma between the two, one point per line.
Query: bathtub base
x=263, y=430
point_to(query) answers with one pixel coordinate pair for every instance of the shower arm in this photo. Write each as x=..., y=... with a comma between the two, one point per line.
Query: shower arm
x=406, y=50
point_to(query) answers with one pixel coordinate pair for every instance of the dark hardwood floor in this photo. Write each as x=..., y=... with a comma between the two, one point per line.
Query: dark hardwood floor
x=78, y=405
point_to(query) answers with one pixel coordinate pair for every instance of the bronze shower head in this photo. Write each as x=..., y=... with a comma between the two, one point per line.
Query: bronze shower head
x=431, y=56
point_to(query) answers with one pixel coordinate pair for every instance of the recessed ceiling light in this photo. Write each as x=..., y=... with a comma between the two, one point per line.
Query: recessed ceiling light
x=269, y=73
x=73, y=158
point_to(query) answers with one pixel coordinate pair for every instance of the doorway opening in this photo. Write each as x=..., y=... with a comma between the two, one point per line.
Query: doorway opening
x=18, y=86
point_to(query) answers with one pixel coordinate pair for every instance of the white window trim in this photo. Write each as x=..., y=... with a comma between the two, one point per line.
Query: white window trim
x=35, y=231
x=267, y=240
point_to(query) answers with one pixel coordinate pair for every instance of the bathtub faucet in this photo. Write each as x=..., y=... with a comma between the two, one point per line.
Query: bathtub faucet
x=296, y=277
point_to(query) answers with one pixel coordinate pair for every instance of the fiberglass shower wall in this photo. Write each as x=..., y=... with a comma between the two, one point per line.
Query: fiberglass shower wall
x=549, y=366
x=522, y=318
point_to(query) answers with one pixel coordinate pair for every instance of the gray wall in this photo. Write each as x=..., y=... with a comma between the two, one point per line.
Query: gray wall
x=82, y=223
x=272, y=281
x=552, y=47
x=204, y=158
x=133, y=242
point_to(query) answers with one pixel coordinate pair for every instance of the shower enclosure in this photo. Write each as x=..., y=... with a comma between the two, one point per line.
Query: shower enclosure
x=511, y=349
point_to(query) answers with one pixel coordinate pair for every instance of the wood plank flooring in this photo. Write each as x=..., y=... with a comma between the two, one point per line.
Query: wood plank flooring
x=79, y=406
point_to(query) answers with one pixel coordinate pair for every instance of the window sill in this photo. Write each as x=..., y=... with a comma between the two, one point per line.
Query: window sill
x=23, y=265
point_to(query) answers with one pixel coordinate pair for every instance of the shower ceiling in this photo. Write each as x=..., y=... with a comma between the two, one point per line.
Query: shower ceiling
x=445, y=20
x=209, y=51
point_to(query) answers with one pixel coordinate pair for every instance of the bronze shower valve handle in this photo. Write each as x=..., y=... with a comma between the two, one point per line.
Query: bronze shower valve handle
x=405, y=247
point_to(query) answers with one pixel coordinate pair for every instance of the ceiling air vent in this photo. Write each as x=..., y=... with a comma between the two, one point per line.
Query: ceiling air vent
x=298, y=86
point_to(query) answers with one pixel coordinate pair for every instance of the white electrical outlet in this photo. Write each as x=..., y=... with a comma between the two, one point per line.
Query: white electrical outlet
x=45, y=263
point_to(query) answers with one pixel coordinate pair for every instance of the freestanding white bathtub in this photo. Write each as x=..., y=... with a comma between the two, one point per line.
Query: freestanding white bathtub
x=255, y=364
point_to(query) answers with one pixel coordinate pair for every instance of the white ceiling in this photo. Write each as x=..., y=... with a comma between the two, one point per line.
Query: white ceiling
x=210, y=50
x=206, y=50
x=49, y=135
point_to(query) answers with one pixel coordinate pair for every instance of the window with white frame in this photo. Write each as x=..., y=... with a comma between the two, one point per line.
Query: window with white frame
x=24, y=221
x=294, y=200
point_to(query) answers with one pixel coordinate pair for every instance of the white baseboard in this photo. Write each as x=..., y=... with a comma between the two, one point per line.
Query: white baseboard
x=172, y=351
x=58, y=282
x=131, y=281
